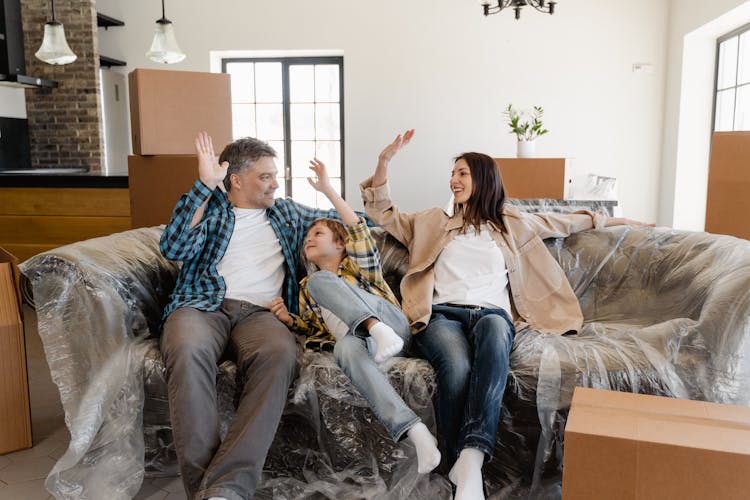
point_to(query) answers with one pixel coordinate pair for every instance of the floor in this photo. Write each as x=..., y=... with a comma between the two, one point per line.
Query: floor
x=22, y=473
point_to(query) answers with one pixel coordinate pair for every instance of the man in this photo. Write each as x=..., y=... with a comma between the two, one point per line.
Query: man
x=239, y=250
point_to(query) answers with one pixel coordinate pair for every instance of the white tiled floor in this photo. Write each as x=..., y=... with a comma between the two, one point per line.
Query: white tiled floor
x=22, y=473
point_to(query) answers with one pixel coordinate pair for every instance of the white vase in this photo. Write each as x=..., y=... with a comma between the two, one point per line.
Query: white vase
x=525, y=149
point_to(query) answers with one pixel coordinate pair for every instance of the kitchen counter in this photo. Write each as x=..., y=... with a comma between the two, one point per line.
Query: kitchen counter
x=41, y=210
x=61, y=178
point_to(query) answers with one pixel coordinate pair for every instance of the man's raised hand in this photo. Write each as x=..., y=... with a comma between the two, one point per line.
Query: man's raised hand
x=209, y=171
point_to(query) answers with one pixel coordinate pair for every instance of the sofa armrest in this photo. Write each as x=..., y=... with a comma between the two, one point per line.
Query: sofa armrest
x=96, y=301
x=687, y=294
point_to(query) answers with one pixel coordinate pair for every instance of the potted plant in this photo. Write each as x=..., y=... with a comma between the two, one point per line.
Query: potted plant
x=527, y=127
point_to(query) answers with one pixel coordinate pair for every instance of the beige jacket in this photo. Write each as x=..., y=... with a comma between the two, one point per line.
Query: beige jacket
x=541, y=296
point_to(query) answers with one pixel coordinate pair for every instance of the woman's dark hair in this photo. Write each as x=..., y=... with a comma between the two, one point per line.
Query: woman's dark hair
x=241, y=154
x=487, y=196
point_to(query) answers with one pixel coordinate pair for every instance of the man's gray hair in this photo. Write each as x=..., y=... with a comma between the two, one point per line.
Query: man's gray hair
x=242, y=153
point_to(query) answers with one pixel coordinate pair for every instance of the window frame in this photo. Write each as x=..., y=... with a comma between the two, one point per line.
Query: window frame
x=286, y=62
x=734, y=33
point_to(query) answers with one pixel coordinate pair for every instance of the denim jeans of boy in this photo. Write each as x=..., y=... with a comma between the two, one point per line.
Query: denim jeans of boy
x=469, y=349
x=354, y=352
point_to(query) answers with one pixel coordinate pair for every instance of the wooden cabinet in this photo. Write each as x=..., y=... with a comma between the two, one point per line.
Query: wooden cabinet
x=33, y=220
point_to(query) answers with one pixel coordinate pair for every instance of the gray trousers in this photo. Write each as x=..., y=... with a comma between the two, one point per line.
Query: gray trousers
x=192, y=343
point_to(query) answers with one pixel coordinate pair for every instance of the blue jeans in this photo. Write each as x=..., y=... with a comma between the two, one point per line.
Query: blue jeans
x=469, y=349
x=352, y=305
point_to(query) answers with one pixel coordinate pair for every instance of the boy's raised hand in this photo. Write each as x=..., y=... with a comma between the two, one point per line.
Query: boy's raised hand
x=322, y=183
x=278, y=308
x=209, y=171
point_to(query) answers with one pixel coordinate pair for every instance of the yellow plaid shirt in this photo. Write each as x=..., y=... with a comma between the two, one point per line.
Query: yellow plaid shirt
x=360, y=267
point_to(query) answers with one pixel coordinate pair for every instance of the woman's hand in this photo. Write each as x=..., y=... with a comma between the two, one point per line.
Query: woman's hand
x=622, y=221
x=380, y=176
x=391, y=149
x=278, y=308
x=209, y=171
x=323, y=183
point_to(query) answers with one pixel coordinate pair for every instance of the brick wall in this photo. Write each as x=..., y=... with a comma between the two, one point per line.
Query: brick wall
x=64, y=122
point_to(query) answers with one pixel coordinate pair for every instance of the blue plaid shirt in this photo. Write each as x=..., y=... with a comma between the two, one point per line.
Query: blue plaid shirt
x=200, y=249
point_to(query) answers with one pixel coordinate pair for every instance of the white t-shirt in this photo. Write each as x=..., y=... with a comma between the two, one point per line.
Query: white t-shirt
x=253, y=264
x=471, y=270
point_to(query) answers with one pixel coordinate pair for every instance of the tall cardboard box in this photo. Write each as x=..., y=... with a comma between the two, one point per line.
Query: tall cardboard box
x=632, y=446
x=15, y=418
x=169, y=108
x=156, y=184
x=530, y=178
x=727, y=200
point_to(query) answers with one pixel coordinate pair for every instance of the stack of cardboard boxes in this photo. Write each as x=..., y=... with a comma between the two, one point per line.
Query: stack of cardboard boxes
x=167, y=110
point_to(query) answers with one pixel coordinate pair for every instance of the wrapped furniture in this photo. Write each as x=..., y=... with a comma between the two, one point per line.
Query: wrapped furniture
x=667, y=313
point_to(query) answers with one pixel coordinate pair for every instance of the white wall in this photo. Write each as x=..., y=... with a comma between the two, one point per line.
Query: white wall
x=693, y=29
x=12, y=102
x=441, y=67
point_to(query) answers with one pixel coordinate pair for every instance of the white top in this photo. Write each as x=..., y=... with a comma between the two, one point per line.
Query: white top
x=471, y=271
x=253, y=265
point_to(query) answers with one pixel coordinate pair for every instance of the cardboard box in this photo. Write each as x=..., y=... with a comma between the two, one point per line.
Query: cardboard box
x=727, y=200
x=526, y=178
x=15, y=431
x=156, y=184
x=168, y=109
x=631, y=446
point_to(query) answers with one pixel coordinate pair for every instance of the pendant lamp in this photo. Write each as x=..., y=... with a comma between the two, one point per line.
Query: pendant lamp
x=164, y=48
x=55, y=49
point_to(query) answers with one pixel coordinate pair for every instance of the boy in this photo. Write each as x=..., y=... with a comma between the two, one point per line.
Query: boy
x=348, y=305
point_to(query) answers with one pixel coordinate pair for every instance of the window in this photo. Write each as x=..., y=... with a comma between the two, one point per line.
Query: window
x=296, y=105
x=732, y=100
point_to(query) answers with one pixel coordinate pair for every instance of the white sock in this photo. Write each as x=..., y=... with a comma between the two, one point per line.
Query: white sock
x=428, y=455
x=388, y=342
x=217, y=498
x=466, y=474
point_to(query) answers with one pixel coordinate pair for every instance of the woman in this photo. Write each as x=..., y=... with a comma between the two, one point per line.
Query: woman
x=473, y=278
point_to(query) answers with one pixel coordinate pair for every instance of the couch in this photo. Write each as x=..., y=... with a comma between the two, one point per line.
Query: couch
x=666, y=313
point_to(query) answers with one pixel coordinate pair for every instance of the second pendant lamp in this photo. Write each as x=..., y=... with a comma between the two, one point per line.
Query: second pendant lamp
x=164, y=48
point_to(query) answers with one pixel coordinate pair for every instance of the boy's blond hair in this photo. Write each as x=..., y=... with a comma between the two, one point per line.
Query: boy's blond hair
x=336, y=227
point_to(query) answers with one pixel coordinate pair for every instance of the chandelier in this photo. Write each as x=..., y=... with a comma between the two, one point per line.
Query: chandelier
x=540, y=5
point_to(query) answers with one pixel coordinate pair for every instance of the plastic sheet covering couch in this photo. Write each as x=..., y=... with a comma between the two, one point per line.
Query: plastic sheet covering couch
x=667, y=313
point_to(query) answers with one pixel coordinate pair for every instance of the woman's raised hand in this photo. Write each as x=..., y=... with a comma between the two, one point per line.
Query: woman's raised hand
x=399, y=142
x=209, y=171
x=380, y=176
x=323, y=183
